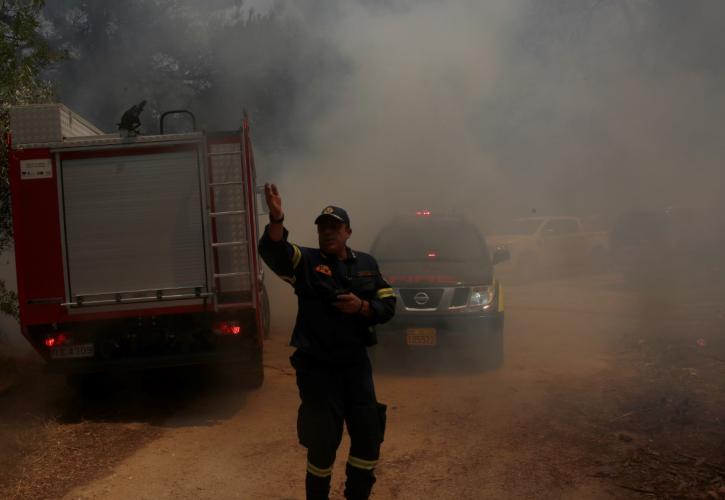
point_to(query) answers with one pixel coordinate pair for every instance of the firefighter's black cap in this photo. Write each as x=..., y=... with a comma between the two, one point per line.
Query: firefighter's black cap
x=336, y=213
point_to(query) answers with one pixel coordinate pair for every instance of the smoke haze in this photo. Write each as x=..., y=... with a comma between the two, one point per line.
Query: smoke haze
x=497, y=108
x=609, y=364
x=492, y=109
x=486, y=108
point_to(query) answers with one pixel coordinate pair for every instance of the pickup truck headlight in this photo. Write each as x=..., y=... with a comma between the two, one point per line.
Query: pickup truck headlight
x=481, y=297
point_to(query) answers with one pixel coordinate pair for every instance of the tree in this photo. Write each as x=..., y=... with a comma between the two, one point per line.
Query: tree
x=215, y=58
x=24, y=53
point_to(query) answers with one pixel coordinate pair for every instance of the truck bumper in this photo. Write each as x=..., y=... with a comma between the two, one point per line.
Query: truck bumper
x=249, y=353
x=451, y=332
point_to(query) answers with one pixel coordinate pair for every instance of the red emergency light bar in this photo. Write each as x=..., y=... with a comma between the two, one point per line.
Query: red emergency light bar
x=423, y=213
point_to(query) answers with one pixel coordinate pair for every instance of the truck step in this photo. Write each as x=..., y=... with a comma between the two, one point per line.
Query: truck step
x=230, y=275
x=234, y=305
x=226, y=153
x=230, y=183
x=229, y=244
x=231, y=212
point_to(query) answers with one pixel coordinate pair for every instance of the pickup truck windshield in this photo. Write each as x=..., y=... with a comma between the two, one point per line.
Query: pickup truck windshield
x=430, y=242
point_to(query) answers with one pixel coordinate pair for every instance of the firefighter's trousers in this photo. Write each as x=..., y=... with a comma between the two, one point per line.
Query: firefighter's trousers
x=332, y=394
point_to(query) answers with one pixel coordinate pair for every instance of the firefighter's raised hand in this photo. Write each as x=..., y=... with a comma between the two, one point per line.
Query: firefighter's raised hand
x=274, y=201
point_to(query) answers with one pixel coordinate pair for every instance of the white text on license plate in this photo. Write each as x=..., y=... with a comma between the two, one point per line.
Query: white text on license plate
x=421, y=336
x=72, y=351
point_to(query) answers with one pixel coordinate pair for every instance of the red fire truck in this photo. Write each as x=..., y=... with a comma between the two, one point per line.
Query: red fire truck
x=136, y=251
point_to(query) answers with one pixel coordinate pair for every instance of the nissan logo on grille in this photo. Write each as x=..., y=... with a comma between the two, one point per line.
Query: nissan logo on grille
x=421, y=298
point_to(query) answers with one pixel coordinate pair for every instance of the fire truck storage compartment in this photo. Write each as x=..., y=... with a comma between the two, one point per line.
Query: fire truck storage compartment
x=134, y=227
x=41, y=123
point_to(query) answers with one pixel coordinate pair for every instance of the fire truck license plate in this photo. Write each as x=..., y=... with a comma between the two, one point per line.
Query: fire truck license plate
x=421, y=336
x=72, y=351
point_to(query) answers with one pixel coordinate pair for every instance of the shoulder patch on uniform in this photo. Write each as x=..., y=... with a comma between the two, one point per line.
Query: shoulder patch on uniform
x=322, y=268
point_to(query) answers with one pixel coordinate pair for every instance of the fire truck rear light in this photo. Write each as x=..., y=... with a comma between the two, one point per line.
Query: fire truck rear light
x=228, y=328
x=49, y=341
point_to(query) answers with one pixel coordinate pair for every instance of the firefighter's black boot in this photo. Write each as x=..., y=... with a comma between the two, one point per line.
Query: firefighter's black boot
x=316, y=487
x=359, y=483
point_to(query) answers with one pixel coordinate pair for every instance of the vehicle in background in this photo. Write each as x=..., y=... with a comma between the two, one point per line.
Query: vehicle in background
x=135, y=252
x=551, y=246
x=448, y=299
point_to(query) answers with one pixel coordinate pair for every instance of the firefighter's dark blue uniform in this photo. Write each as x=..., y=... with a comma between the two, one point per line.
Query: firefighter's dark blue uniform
x=333, y=370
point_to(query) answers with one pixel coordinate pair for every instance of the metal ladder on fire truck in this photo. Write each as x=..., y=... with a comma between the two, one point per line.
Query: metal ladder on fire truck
x=229, y=221
x=227, y=170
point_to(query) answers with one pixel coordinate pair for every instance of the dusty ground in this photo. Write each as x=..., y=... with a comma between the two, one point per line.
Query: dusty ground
x=606, y=393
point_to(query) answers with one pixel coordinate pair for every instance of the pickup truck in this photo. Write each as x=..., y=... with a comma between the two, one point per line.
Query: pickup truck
x=450, y=303
x=550, y=245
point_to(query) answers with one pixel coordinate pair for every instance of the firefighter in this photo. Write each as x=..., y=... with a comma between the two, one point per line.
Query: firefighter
x=341, y=296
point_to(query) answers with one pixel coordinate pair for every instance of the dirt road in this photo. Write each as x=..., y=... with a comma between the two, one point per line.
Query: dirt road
x=602, y=392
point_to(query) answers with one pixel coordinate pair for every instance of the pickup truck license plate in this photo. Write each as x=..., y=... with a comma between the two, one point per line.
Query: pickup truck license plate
x=72, y=351
x=421, y=336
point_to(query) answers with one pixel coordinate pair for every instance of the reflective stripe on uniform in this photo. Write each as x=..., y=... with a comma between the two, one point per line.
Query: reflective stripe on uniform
x=317, y=471
x=384, y=293
x=296, y=256
x=359, y=463
x=500, y=297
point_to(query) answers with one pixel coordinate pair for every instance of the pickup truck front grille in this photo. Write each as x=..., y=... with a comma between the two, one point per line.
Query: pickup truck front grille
x=442, y=299
x=421, y=298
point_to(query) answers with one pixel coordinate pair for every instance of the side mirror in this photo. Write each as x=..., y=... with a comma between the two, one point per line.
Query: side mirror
x=501, y=254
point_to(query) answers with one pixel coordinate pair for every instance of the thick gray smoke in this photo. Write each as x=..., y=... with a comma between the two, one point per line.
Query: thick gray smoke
x=402, y=135
x=488, y=108
x=497, y=108
x=492, y=109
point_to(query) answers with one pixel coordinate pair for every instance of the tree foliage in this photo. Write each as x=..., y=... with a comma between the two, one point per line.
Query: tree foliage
x=24, y=54
x=214, y=58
